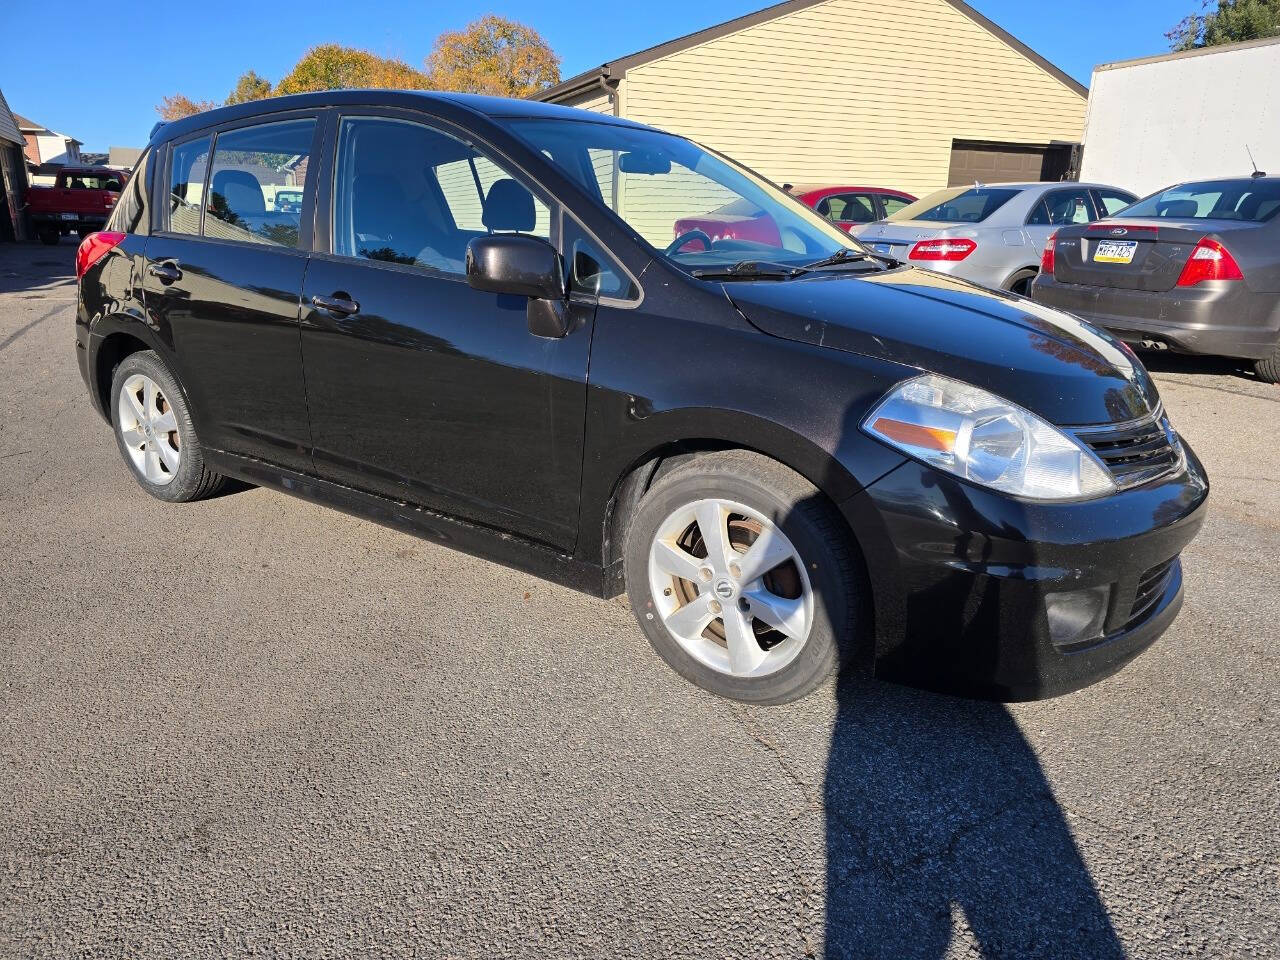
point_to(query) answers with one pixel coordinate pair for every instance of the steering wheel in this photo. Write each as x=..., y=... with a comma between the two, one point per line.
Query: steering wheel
x=684, y=238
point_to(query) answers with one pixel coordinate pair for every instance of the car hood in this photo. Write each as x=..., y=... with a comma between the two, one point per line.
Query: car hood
x=1054, y=365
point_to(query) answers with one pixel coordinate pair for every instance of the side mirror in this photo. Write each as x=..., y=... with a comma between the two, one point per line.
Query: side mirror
x=527, y=267
x=516, y=264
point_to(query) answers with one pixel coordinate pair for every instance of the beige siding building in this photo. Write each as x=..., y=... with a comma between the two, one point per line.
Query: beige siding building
x=912, y=94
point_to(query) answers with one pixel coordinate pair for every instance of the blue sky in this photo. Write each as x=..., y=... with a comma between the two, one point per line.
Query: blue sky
x=98, y=78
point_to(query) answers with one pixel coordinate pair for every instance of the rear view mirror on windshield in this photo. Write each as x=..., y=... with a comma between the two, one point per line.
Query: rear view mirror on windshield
x=636, y=161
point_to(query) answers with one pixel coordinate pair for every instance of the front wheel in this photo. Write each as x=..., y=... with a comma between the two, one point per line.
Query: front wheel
x=743, y=578
x=154, y=431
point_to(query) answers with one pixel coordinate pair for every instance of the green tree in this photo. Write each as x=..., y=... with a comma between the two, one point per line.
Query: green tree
x=250, y=86
x=1231, y=22
x=332, y=66
x=493, y=55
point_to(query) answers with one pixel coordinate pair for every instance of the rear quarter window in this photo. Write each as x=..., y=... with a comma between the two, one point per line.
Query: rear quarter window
x=131, y=214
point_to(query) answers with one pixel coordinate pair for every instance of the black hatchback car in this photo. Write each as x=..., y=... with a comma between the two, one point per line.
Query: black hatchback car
x=482, y=328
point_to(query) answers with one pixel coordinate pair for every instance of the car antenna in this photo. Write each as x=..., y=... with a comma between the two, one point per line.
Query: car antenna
x=1256, y=172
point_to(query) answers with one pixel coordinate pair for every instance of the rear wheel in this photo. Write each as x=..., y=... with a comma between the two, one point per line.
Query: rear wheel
x=1021, y=283
x=1268, y=369
x=154, y=431
x=49, y=235
x=743, y=577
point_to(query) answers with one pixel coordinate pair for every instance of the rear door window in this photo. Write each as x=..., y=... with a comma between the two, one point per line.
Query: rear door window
x=188, y=166
x=1061, y=208
x=848, y=207
x=249, y=163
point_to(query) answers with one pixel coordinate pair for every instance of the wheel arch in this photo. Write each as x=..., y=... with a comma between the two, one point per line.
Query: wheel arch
x=664, y=450
x=1029, y=270
x=114, y=338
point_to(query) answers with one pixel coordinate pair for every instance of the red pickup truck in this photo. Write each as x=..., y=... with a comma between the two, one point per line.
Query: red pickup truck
x=79, y=200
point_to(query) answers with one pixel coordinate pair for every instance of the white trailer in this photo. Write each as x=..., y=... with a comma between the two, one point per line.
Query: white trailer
x=1184, y=116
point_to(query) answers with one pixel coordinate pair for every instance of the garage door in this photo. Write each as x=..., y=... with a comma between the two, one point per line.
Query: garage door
x=1006, y=162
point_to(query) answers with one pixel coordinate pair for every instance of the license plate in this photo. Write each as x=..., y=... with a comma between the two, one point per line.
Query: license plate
x=70, y=216
x=1115, y=251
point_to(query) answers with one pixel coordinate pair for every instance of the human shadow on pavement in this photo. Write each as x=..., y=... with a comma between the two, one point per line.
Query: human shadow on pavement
x=938, y=815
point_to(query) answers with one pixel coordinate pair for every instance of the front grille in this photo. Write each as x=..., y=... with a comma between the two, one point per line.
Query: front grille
x=1151, y=587
x=1136, y=452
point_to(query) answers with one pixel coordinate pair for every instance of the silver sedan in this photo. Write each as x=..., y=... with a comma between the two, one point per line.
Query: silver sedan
x=992, y=234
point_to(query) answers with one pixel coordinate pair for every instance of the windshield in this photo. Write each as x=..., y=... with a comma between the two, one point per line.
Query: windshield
x=700, y=209
x=958, y=205
x=1252, y=200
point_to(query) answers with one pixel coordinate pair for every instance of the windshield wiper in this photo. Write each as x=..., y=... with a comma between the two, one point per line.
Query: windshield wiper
x=846, y=255
x=748, y=270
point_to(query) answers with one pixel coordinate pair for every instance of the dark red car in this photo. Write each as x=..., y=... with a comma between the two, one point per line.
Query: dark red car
x=844, y=206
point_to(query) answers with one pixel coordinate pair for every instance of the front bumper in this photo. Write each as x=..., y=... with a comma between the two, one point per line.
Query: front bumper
x=961, y=575
x=1223, y=319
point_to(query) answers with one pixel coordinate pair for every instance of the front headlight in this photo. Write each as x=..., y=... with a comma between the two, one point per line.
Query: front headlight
x=973, y=434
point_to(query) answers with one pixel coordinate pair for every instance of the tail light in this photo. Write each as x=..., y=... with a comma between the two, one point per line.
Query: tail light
x=92, y=249
x=1046, y=256
x=1209, y=261
x=945, y=249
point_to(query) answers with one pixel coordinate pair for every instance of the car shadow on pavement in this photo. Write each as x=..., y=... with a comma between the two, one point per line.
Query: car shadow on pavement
x=1165, y=361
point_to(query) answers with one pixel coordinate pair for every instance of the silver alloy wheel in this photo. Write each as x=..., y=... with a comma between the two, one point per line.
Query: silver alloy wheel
x=149, y=429
x=731, y=588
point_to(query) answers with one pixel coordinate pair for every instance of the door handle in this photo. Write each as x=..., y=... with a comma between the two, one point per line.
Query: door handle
x=166, y=271
x=338, y=305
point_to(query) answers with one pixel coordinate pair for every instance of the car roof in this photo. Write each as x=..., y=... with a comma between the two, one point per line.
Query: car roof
x=494, y=108
x=799, y=188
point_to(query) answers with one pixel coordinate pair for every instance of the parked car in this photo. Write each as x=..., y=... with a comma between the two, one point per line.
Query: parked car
x=788, y=455
x=288, y=201
x=991, y=234
x=78, y=201
x=1194, y=268
x=846, y=207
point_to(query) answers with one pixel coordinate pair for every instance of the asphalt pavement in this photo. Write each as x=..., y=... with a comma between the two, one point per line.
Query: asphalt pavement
x=254, y=726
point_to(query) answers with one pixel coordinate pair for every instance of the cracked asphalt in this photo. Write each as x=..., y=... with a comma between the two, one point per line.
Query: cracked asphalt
x=256, y=726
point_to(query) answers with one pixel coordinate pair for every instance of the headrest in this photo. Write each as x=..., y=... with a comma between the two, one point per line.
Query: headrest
x=509, y=206
x=1180, y=208
x=241, y=191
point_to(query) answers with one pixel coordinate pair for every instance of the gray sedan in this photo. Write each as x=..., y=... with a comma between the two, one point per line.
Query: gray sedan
x=992, y=234
x=1194, y=268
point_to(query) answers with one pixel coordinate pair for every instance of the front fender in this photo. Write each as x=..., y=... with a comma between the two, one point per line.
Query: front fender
x=798, y=403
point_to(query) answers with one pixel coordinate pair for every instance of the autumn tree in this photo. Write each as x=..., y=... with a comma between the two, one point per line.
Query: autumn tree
x=331, y=66
x=179, y=105
x=250, y=86
x=493, y=55
x=1232, y=21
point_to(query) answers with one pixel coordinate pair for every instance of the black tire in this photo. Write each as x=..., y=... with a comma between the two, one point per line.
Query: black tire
x=817, y=531
x=1020, y=283
x=192, y=480
x=1268, y=369
x=49, y=235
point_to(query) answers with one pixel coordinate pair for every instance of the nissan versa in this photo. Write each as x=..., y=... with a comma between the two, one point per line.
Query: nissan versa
x=479, y=328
